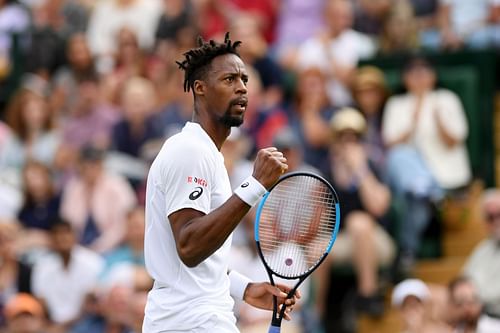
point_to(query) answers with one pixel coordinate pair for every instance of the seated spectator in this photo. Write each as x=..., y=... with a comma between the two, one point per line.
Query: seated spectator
x=465, y=24
x=336, y=51
x=90, y=122
x=85, y=202
x=31, y=119
x=466, y=309
x=309, y=115
x=41, y=200
x=131, y=251
x=25, y=314
x=370, y=15
x=370, y=93
x=413, y=300
x=108, y=17
x=137, y=126
x=110, y=313
x=177, y=15
x=65, y=81
x=425, y=131
x=261, y=122
x=245, y=27
x=62, y=279
x=362, y=241
x=483, y=264
x=15, y=273
x=400, y=30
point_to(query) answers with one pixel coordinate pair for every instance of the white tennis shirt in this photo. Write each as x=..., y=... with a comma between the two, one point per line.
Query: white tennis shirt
x=188, y=172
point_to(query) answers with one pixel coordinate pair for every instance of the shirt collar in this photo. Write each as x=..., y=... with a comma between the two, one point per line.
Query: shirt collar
x=196, y=129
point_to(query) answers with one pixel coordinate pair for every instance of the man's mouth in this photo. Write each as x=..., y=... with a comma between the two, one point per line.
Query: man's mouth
x=241, y=103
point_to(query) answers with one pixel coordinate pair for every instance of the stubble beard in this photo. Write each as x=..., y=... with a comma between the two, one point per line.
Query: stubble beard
x=231, y=120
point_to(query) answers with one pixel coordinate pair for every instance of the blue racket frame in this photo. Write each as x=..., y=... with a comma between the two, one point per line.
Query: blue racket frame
x=276, y=321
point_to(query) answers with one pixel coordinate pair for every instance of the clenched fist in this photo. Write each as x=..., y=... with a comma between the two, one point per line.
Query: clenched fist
x=269, y=165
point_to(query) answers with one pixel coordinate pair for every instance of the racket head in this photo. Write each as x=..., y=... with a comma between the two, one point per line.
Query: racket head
x=296, y=224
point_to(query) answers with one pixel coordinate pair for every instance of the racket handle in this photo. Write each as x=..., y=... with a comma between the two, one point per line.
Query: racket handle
x=274, y=329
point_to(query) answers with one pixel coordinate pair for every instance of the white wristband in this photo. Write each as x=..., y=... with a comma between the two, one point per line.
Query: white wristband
x=238, y=284
x=250, y=191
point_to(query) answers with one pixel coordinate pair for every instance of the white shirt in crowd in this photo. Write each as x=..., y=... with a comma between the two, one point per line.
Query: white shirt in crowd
x=64, y=289
x=466, y=16
x=188, y=172
x=109, y=17
x=449, y=165
x=346, y=49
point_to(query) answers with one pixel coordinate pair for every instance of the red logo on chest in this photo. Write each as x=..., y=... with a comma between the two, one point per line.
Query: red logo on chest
x=197, y=180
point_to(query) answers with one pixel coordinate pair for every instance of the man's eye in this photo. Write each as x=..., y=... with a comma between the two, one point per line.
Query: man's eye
x=230, y=79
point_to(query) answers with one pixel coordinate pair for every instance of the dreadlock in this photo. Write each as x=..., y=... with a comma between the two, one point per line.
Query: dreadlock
x=196, y=63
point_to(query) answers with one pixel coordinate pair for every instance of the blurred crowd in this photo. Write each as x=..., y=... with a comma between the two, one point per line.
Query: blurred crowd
x=89, y=91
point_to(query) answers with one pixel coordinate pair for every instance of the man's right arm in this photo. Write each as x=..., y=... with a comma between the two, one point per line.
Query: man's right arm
x=198, y=235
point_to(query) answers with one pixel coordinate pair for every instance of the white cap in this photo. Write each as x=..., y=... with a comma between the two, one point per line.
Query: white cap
x=409, y=287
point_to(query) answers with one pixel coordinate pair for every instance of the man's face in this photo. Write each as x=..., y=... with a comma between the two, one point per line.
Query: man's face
x=226, y=91
x=466, y=303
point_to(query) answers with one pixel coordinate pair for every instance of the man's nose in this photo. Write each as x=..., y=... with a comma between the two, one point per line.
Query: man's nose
x=241, y=87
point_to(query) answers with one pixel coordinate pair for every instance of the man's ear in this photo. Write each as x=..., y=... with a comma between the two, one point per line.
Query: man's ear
x=199, y=87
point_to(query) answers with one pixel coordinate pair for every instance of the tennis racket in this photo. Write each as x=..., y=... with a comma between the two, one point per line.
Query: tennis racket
x=295, y=227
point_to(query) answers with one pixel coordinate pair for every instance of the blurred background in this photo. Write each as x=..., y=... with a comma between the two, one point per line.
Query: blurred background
x=396, y=102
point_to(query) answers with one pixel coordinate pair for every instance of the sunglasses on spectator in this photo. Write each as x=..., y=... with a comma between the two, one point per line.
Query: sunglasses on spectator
x=492, y=216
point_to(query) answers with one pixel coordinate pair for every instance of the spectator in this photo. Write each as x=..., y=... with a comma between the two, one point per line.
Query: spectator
x=465, y=307
x=132, y=249
x=177, y=15
x=31, y=119
x=85, y=202
x=370, y=94
x=297, y=21
x=129, y=61
x=65, y=81
x=137, y=126
x=336, y=51
x=400, y=30
x=413, y=299
x=362, y=240
x=261, y=122
x=90, y=122
x=62, y=279
x=41, y=199
x=287, y=141
x=25, y=314
x=425, y=131
x=309, y=116
x=15, y=273
x=370, y=15
x=246, y=27
x=483, y=264
x=462, y=23
x=112, y=313
x=108, y=17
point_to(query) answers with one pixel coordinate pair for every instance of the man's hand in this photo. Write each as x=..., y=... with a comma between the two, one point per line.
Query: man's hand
x=269, y=165
x=260, y=295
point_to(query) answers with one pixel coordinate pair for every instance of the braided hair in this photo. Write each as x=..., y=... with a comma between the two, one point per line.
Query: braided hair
x=197, y=60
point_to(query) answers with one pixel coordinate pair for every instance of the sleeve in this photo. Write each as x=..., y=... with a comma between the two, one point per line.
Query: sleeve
x=189, y=180
x=452, y=114
x=395, y=120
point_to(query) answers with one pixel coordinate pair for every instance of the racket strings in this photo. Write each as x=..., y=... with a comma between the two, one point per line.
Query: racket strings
x=296, y=225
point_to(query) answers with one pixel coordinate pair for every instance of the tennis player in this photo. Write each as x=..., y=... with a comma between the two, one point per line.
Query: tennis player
x=191, y=211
